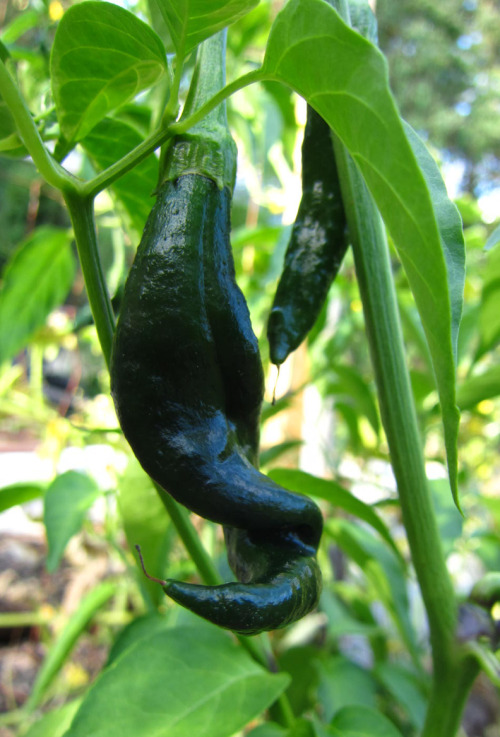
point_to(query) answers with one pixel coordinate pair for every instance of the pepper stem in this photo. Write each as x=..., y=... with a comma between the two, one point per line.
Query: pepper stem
x=151, y=578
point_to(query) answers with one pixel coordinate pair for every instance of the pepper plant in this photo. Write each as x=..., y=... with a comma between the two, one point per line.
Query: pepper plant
x=104, y=62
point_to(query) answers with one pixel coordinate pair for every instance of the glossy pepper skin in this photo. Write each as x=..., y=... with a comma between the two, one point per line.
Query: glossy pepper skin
x=316, y=248
x=187, y=383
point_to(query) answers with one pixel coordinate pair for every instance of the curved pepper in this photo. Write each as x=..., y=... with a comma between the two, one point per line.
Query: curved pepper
x=316, y=248
x=188, y=383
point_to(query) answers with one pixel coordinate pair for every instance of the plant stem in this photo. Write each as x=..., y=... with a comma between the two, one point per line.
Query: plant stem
x=162, y=134
x=121, y=167
x=256, y=75
x=377, y=291
x=50, y=170
x=81, y=210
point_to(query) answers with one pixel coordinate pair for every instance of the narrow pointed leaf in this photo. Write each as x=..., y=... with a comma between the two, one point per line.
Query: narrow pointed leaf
x=345, y=78
x=102, y=57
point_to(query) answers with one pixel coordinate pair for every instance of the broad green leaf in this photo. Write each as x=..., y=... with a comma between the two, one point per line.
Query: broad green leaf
x=66, y=502
x=109, y=141
x=56, y=722
x=344, y=77
x=181, y=682
x=301, y=728
x=60, y=649
x=138, y=629
x=192, y=21
x=102, y=57
x=343, y=683
x=35, y=282
x=20, y=493
x=334, y=493
x=146, y=523
x=360, y=721
x=268, y=729
x=479, y=387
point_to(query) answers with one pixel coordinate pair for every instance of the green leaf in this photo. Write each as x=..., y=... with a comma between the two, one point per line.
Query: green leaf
x=35, y=282
x=270, y=455
x=405, y=689
x=147, y=524
x=479, y=387
x=20, y=493
x=340, y=620
x=180, y=682
x=359, y=721
x=334, y=493
x=192, y=21
x=351, y=385
x=7, y=125
x=137, y=630
x=489, y=314
x=65, y=642
x=450, y=226
x=56, y=722
x=19, y=25
x=343, y=683
x=102, y=57
x=66, y=503
x=108, y=142
x=269, y=729
x=488, y=661
x=300, y=663
x=384, y=571
x=344, y=77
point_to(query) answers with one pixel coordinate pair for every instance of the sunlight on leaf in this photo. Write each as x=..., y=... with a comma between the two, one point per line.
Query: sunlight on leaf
x=344, y=77
x=186, y=681
x=35, y=281
x=102, y=57
x=192, y=21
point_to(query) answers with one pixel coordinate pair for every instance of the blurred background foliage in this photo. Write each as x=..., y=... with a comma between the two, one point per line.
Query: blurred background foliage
x=57, y=416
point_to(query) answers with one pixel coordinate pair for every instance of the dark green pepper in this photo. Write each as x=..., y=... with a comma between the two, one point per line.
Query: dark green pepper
x=187, y=382
x=316, y=248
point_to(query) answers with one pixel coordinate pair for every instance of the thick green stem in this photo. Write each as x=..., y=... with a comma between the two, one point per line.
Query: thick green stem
x=447, y=700
x=376, y=286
